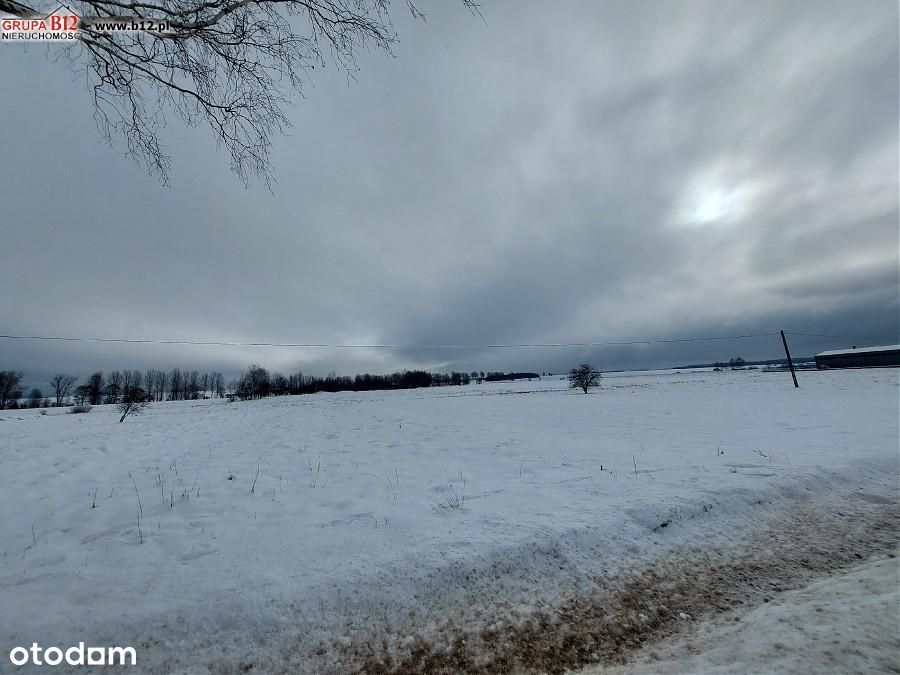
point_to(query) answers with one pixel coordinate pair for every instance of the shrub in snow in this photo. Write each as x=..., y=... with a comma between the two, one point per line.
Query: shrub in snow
x=450, y=497
x=85, y=408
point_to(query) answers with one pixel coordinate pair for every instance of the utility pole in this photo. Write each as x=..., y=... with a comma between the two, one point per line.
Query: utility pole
x=787, y=353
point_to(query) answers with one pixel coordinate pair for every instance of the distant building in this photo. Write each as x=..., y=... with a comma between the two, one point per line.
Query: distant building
x=864, y=357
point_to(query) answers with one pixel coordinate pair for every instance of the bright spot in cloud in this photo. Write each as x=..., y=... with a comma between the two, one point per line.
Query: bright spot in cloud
x=713, y=202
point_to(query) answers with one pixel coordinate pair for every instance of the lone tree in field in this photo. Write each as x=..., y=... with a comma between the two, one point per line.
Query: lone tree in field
x=583, y=377
x=134, y=400
x=228, y=65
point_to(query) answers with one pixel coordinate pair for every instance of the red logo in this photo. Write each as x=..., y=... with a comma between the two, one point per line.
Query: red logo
x=62, y=24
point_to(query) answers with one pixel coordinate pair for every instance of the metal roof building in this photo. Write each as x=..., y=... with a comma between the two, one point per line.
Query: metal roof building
x=864, y=357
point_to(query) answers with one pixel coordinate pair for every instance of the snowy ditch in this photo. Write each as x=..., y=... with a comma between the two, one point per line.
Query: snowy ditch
x=421, y=532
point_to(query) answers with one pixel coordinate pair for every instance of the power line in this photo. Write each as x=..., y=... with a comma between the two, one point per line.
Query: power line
x=297, y=345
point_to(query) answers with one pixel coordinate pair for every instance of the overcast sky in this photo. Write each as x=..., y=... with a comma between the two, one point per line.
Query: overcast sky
x=556, y=172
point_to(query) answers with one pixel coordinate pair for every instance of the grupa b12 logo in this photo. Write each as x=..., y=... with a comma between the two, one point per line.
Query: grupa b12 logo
x=61, y=24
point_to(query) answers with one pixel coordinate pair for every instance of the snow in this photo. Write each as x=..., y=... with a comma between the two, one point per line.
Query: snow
x=393, y=512
x=847, y=623
x=861, y=350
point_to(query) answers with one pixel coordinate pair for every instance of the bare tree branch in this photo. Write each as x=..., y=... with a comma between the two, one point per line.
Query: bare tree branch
x=230, y=65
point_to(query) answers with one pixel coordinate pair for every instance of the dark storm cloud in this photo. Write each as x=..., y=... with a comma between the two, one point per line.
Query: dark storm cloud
x=559, y=172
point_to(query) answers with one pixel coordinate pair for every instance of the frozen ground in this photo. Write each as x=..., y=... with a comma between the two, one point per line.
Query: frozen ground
x=453, y=529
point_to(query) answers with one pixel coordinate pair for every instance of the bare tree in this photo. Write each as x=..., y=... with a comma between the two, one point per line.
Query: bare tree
x=134, y=400
x=35, y=396
x=230, y=65
x=584, y=377
x=192, y=385
x=126, y=380
x=95, y=386
x=149, y=381
x=175, y=384
x=155, y=384
x=132, y=378
x=115, y=385
x=255, y=383
x=162, y=380
x=10, y=389
x=158, y=386
x=82, y=394
x=219, y=384
x=62, y=386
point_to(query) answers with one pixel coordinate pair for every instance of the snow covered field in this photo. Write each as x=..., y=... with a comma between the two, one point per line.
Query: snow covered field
x=318, y=533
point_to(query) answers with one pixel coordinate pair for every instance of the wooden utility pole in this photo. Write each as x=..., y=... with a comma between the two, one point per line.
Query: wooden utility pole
x=787, y=352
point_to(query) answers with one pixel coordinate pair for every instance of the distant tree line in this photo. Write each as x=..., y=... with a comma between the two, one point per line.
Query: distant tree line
x=116, y=387
x=257, y=382
x=152, y=384
x=736, y=362
x=499, y=377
